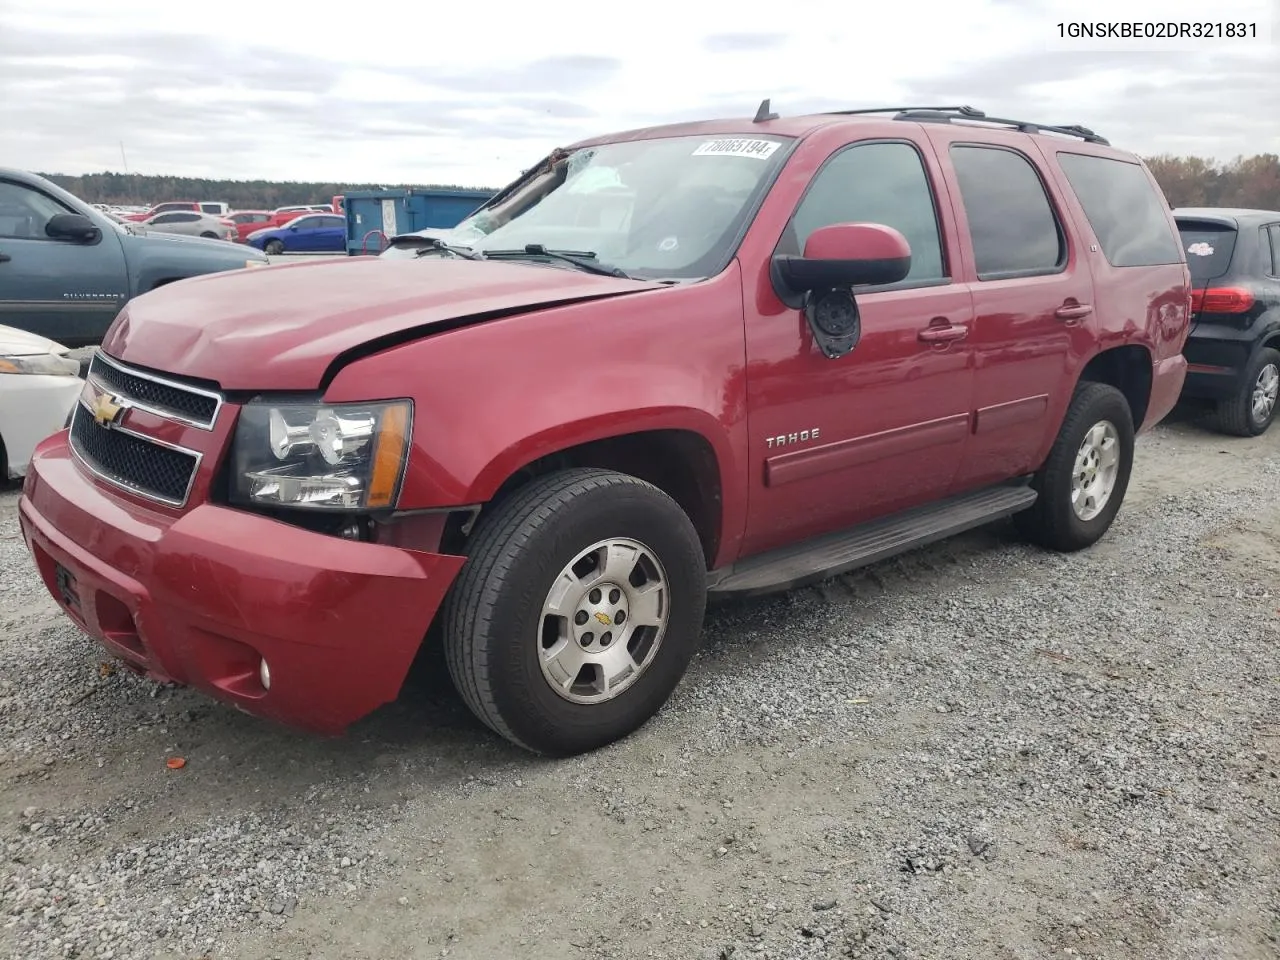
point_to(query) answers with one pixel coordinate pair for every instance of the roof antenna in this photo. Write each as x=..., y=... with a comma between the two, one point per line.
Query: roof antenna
x=764, y=113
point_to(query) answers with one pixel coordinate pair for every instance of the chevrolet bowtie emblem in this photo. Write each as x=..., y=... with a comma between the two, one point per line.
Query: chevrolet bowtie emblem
x=106, y=409
x=605, y=619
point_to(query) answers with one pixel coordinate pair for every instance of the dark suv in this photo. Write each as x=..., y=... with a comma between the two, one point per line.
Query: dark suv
x=1233, y=350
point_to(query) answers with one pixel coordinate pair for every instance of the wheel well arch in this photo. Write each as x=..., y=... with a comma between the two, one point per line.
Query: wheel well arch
x=1129, y=369
x=681, y=463
x=1272, y=340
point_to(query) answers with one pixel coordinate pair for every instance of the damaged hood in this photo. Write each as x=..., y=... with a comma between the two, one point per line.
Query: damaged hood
x=281, y=327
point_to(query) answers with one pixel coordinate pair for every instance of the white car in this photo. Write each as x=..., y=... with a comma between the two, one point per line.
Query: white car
x=39, y=385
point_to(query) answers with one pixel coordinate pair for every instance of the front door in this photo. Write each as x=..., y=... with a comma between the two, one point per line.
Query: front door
x=66, y=290
x=837, y=442
x=1032, y=298
x=303, y=235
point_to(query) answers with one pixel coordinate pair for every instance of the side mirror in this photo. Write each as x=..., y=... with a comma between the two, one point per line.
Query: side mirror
x=836, y=258
x=842, y=255
x=293, y=229
x=71, y=226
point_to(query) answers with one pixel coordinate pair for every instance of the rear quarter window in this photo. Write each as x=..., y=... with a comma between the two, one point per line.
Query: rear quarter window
x=1209, y=248
x=1128, y=214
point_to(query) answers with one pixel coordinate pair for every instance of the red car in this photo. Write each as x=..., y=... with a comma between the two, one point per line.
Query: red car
x=282, y=215
x=716, y=358
x=167, y=207
x=247, y=221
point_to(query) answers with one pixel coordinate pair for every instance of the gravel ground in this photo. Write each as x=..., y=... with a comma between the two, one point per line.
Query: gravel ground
x=977, y=751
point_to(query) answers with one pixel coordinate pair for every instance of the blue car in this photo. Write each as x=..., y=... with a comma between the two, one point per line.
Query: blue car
x=309, y=233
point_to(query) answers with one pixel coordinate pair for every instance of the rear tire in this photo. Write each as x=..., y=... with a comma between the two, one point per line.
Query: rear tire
x=274, y=248
x=1083, y=481
x=209, y=236
x=1253, y=408
x=516, y=664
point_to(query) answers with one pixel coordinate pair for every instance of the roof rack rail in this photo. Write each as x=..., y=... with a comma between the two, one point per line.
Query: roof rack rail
x=964, y=111
x=950, y=114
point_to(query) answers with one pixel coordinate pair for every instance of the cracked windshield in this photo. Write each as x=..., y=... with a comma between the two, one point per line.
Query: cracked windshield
x=662, y=208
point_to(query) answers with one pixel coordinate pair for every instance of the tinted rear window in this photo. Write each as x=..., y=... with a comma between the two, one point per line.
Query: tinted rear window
x=1129, y=216
x=1209, y=247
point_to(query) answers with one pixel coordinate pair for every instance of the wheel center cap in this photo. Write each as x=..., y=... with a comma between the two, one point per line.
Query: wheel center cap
x=600, y=616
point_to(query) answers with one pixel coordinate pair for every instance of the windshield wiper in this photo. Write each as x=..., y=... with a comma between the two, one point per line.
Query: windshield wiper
x=433, y=245
x=582, y=259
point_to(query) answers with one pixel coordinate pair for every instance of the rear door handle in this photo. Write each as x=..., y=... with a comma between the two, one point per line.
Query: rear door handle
x=1073, y=311
x=941, y=334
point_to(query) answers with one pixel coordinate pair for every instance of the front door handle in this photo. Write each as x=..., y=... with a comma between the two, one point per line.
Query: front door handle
x=943, y=334
x=5, y=258
x=1073, y=311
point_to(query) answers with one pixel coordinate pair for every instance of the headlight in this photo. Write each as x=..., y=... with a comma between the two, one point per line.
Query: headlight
x=348, y=456
x=43, y=364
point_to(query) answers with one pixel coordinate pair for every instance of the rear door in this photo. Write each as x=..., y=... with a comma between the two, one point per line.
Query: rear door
x=1032, y=299
x=65, y=290
x=331, y=237
x=188, y=223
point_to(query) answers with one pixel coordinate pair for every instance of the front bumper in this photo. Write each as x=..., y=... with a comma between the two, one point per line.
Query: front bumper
x=202, y=598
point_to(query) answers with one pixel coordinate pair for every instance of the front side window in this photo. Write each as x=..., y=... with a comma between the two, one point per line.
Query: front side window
x=306, y=223
x=1129, y=217
x=1014, y=230
x=883, y=183
x=670, y=208
x=25, y=213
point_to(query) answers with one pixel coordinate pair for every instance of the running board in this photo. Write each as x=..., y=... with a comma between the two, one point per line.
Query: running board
x=867, y=543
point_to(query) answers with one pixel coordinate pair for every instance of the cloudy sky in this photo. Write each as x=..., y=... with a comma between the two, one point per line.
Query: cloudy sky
x=454, y=91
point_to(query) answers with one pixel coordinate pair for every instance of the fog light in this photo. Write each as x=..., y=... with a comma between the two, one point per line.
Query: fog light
x=264, y=674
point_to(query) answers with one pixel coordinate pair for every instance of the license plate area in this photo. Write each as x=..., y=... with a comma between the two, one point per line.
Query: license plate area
x=68, y=589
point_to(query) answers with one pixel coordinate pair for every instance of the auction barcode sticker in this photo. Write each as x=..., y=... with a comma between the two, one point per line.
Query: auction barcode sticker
x=760, y=149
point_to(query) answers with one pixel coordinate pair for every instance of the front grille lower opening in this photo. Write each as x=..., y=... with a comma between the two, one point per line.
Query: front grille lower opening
x=132, y=462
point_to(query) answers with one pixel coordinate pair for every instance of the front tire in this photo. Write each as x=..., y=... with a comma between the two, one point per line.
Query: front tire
x=1083, y=481
x=577, y=612
x=273, y=248
x=1250, y=412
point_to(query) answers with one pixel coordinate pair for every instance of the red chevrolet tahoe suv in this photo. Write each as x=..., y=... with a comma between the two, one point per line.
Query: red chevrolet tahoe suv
x=706, y=359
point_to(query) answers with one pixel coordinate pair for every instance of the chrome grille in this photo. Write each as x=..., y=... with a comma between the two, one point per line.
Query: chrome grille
x=129, y=460
x=166, y=398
